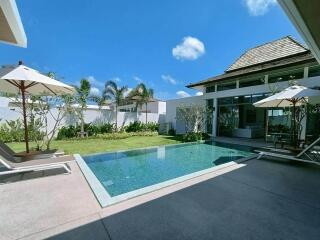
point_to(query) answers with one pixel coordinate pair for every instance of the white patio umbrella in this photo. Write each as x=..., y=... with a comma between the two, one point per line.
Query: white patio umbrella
x=291, y=97
x=27, y=81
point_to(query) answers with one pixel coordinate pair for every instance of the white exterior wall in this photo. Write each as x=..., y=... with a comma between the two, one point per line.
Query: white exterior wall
x=162, y=107
x=153, y=107
x=172, y=109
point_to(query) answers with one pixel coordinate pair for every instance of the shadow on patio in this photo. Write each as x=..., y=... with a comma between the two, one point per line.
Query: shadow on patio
x=264, y=200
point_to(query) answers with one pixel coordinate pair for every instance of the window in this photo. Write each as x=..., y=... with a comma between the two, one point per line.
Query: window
x=314, y=71
x=211, y=89
x=223, y=87
x=252, y=82
x=245, y=99
x=210, y=103
x=225, y=101
x=297, y=74
x=257, y=97
x=242, y=99
x=275, y=112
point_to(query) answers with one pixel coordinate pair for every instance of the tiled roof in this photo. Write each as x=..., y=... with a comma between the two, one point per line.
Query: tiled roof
x=271, y=51
x=259, y=68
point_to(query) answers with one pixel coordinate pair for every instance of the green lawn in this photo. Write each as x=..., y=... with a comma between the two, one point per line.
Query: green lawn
x=87, y=146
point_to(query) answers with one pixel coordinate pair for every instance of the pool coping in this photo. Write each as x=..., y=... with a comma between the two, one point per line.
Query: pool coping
x=105, y=199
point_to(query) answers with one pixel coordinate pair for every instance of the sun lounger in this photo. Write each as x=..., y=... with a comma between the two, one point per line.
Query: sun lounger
x=35, y=165
x=311, y=154
x=6, y=151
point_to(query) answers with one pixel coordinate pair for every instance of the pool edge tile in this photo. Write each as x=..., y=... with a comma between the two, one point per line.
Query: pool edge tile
x=99, y=191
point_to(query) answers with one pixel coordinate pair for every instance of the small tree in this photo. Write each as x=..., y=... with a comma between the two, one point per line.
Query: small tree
x=193, y=116
x=142, y=96
x=81, y=98
x=114, y=93
x=43, y=108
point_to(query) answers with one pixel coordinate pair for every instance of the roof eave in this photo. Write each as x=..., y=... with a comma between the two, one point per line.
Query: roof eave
x=12, y=16
x=293, y=11
x=215, y=79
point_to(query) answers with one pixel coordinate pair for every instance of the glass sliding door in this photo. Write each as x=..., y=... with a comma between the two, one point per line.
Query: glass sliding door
x=237, y=117
x=228, y=120
x=209, y=117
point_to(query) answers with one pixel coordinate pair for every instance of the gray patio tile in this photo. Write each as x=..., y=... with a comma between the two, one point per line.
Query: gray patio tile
x=35, y=205
x=219, y=208
x=293, y=180
x=91, y=231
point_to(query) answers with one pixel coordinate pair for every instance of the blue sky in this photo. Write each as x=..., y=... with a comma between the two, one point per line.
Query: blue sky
x=165, y=44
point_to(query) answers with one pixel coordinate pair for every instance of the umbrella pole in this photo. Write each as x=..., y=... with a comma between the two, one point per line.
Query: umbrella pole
x=294, y=125
x=146, y=113
x=26, y=137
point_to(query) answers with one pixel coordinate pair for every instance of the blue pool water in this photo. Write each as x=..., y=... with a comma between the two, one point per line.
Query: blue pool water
x=122, y=172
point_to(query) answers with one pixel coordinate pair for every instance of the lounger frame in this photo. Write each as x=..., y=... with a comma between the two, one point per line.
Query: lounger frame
x=39, y=167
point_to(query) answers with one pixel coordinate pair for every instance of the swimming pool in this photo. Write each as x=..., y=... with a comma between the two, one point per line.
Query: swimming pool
x=123, y=172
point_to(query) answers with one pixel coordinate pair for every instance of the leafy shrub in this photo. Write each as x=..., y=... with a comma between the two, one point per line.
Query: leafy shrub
x=195, y=136
x=71, y=131
x=92, y=130
x=107, y=128
x=13, y=131
x=151, y=126
x=123, y=135
x=66, y=132
x=137, y=126
x=134, y=127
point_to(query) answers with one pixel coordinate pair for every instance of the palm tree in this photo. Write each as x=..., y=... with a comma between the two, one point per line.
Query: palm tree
x=142, y=95
x=116, y=94
x=82, y=97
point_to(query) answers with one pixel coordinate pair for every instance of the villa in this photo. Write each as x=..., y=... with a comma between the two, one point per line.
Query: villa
x=254, y=75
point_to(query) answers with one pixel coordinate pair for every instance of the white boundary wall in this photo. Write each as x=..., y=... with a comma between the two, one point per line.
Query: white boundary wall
x=91, y=116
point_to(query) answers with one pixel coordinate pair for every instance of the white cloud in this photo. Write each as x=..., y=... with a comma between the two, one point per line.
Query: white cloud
x=189, y=49
x=92, y=79
x=137, y=79
x=199, y=93
x=127, y=92
x=259, y=7
x=169, y=79
x=182, y=94
x=94, y=82
x=95, y=91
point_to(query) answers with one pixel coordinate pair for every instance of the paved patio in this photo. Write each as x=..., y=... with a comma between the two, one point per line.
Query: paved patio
x=262, y=199
x=252, y=142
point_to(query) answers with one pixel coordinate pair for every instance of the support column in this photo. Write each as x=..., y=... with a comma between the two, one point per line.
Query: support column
x=305, y=72
x=215, y=117
x=304, y=128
